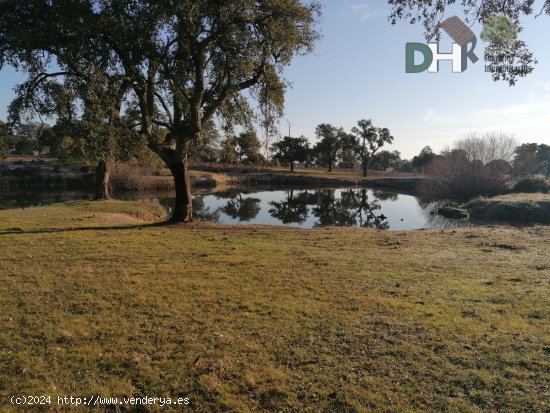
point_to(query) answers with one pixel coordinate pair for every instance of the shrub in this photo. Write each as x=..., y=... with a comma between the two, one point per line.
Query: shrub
x=134, y=176
x=477, y=166
x=532, y=184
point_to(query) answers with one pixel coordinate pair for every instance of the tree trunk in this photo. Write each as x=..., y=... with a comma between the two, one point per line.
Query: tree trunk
x=330, y=166
x=183, y=207
x=365, y=169
x=102, y=181
x=291, y=166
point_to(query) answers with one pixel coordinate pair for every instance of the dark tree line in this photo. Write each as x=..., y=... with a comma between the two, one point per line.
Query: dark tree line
x=486, y=165
x=335, y=147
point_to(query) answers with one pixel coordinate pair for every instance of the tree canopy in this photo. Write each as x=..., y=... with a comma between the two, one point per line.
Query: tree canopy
x=368, y=141
x=425, y=157
x=531, y=158
x=292, y=150
x=248, y=145
x=332, y=140
x=183, y=61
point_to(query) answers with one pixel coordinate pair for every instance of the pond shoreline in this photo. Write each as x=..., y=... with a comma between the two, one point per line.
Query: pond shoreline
x=44, y=176
x=25, y=175
x=517, y=208
x=300, y=207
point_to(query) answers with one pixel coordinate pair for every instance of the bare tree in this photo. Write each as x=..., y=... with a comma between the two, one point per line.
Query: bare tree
x=475, y=166
x=493, y=146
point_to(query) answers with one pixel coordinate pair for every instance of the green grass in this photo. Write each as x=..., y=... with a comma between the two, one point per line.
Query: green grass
x=96, y=300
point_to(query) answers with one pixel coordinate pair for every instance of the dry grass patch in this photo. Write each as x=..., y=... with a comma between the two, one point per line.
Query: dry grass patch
x=252, y=318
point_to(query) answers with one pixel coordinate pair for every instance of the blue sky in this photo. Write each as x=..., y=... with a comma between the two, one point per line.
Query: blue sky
x=358, y=71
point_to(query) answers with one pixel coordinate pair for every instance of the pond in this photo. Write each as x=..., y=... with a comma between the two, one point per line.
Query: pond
x=300, y=208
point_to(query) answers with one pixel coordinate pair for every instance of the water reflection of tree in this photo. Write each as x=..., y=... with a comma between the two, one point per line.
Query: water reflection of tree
x=203, y=213
x=200, y=211
x=292, y=211
x=243, y=209
x=351, y=208
x=332, y=211
x=368, y=212
x=385, y=196
x=28, y=199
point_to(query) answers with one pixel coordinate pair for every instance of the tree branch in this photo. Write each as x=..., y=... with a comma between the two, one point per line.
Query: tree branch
x=165, y=107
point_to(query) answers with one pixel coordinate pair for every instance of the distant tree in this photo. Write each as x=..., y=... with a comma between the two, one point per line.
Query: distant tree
x=385, y=160
x=27, y=137
x=208, y=148
x=48, y=142
x=347, y=158
x=543, y=160
x=332, y=141
x=97, y=132
x=228, y=151
x=531, y=159
x=525, y=161
x=489, y=147
x=7, y=140
x=291, y=150
x=248, y=145
x=369, y=140
x=405, y=166
x=422, y=160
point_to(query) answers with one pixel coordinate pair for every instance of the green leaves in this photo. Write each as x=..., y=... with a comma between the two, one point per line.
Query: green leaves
x=500, y=30
x=292, y=150
x=183, y=61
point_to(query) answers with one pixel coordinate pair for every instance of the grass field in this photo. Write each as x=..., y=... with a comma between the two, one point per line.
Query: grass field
x=344, y=173
x=97, y=299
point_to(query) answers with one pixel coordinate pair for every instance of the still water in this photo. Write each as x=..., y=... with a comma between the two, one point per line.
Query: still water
x=300, y=208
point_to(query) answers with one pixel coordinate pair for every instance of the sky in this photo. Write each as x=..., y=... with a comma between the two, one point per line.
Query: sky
x=357, y=71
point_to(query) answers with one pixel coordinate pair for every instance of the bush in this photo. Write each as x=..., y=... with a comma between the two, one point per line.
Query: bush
x=134, y=176
x=532, y=184
x=476, y=166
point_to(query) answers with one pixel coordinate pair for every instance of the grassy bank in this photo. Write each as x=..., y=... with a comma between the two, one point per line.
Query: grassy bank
x=312, y=177
x=520, y=208
x=99, y=300
x=28, y=173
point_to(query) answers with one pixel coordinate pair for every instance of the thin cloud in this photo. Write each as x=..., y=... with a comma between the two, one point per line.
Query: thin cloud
x=528, y=121
x=430, y=115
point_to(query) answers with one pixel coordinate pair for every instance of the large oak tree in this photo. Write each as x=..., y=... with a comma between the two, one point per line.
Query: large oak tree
x=368, y=141
x=292, y=150
x=184, y=61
